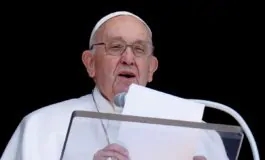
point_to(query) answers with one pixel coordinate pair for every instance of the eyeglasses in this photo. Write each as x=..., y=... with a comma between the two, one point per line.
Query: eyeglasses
x=117, y=48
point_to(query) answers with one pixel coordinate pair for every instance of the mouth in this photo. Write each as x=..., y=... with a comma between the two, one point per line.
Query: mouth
x=127, y=75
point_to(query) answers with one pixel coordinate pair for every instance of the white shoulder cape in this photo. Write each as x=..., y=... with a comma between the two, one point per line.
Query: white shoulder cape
x=41, y=134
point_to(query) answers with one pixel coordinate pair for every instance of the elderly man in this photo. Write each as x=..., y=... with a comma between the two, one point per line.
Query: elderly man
x=121, y=53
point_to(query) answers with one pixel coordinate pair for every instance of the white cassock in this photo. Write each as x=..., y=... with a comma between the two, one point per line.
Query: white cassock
x=41, y=134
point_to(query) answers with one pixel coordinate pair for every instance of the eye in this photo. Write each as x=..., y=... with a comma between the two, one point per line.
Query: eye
x=116, y=46
x=139, y=48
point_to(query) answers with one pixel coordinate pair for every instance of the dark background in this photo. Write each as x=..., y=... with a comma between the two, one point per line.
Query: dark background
x=206, y=50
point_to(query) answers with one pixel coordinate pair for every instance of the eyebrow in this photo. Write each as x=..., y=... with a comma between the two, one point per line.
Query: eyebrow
x=120, y=38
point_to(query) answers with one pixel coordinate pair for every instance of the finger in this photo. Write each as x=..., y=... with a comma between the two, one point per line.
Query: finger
x=99, y=155
x=117, y=148
x=199, y=158
x=104, y=154
x=118, y=156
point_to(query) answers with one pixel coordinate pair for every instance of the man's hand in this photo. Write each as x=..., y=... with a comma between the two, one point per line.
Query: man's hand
x=113, y=151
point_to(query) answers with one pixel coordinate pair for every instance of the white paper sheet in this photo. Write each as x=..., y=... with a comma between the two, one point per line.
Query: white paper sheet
x=156, y=142
x=146, y=102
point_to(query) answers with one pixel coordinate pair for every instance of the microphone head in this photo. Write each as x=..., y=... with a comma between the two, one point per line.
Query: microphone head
x=119, y=99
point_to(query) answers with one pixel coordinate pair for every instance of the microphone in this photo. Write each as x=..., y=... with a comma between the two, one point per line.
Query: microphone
x=120, y=99
x=239, y=119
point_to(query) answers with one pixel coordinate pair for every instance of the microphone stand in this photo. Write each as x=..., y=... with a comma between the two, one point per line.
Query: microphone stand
x=238, y=118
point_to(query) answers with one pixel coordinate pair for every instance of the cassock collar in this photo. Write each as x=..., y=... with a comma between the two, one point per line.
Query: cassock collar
x=103, y=104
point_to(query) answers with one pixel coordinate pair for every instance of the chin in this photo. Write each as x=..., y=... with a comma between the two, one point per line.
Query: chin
x=121, y=89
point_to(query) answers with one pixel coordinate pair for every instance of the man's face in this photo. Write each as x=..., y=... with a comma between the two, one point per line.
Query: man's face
x=115, y=73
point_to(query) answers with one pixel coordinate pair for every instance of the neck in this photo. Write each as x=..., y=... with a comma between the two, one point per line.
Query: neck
x=108, y=99
x=111, y=101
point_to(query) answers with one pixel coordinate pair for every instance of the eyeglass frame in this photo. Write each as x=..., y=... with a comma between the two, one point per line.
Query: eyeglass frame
x=126, y=46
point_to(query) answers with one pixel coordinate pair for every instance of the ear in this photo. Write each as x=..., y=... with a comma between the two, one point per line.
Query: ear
x=89, y=62
x=153, y=65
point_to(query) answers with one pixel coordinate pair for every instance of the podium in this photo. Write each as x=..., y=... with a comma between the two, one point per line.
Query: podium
x=149, y=138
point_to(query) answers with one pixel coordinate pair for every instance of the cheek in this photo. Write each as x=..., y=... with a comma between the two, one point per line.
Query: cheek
x=106, y=68
x=143, y=72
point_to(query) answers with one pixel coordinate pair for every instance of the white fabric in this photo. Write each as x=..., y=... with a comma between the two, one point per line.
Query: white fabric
x=41, y=134
x=109, y=16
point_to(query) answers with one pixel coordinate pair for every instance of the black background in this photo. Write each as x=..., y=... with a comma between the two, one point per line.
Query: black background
x=206, y=50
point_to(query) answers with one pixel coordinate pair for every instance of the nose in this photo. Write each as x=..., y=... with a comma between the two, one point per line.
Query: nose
x=128, y=57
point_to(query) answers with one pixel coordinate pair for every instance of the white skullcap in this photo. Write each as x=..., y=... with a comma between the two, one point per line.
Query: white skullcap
x=109, y=16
